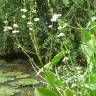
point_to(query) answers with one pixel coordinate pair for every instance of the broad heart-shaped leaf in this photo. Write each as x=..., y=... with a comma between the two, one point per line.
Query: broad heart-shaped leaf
x=52, y=80
x=44, y=92
x=86, y=36
x=57, y=58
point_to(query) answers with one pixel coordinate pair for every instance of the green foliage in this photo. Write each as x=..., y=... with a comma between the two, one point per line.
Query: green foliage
x=69, y=92
x=91, y=86
x=8, y=91
x=86, y=36
x=24, y=82
x=88, y=47
x=45, y=28
x=43, y=40
x=44, y=92
x=5, y=79
x=66, y=2
x=54, y=62
x=11, y=83
x=52, y=80
x=57, y=58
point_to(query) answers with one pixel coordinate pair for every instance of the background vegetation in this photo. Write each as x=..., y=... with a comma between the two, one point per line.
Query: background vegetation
x=73, y=12
x=49, y=31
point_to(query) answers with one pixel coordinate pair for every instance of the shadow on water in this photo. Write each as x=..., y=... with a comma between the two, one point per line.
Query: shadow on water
x=19, y=65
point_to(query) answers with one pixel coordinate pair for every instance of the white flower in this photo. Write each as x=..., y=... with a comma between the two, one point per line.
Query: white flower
x=60, y=27
x=65, y=59
x=78, y=68
x=59, y=15
x=24, y=10
x=29, y=23
x=15, y=25
x=36, y=19
x=7, y=28
x=30, y=29
x=50, y=26
x=5, y=21
x=55, y=17
x=15, y=31
x=61, y=35
x=78, y=71
x=34, y=11
x=93, y=18
x=24, y=16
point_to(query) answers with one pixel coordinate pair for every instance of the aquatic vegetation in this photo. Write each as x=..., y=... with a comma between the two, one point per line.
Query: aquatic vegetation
x=24, y=82
x=23, y=76
x=12, y=74
x=5, y=79
x=8, y=91
x=12, y=82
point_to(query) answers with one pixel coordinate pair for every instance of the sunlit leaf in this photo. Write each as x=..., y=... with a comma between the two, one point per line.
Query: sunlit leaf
x=70, y=92
x=86, y=36
x=52, y=80
x=58, y=57
x=91, y=86
x=55, y=61
x=44, y=92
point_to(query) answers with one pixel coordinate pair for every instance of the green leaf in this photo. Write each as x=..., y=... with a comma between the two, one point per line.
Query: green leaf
x=44, y=92
x=70, y=92
x=89, y=51
x=91, y=86
x=52, y=80
x=86, y=36
x=91, y=77
x=57, y=58
x=46, y=67
x=66, y=2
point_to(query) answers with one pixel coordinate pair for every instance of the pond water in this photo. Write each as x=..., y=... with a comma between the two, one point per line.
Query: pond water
x=17, y=79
